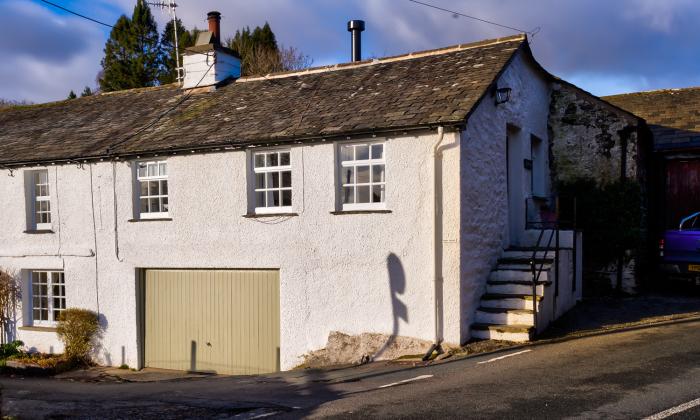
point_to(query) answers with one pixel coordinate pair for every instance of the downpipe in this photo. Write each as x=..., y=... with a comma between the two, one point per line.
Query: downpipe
x=437, y=211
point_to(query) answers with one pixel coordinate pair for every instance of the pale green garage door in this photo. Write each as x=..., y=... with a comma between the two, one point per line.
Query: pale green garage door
x=223, y=321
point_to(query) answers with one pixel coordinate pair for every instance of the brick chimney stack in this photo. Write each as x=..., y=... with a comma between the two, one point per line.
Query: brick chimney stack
x=214, y=19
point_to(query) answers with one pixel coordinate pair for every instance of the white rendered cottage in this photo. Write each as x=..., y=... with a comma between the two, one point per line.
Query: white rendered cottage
x=233, y=226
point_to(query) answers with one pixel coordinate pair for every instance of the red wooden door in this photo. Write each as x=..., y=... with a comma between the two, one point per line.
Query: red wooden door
x=682, y=190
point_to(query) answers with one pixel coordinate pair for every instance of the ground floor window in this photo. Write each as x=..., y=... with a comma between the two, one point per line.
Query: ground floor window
x=48, y=296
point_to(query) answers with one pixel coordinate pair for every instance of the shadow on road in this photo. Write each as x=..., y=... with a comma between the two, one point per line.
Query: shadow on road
x=599, y=313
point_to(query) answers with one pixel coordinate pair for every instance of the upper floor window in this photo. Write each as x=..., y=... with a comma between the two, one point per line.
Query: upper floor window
x=363, y=175
x=152, y=178
x=48, y=296
x=40, y=218
x=273, y=181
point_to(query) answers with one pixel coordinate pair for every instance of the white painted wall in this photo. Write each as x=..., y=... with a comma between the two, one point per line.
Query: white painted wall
x=334, y=269
x=334, y=273
x=485, y=218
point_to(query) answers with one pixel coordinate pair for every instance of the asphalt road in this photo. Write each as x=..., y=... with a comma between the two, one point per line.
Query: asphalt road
x=631, y=374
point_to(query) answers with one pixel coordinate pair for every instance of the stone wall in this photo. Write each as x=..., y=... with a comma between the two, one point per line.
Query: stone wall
x=589, y=138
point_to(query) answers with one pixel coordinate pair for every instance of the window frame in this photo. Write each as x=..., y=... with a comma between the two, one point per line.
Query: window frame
x=152, y=178
x=50, y=296
x=271, y=169
x=355, y=206
x=36, y=198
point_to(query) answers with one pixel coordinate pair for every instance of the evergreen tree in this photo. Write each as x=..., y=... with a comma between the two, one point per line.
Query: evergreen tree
x=72, y=95
x=132, y=52
x=86, y=92
x=185, y=39
x=258, y=50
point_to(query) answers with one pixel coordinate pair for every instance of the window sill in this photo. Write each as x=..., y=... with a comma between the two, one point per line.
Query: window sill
x=377, y=211
x=38, y=231
x=260, y=215
x=38, y=329
x=160, y=219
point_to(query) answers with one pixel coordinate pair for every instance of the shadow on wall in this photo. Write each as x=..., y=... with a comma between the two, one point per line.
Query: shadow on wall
x=397, y=287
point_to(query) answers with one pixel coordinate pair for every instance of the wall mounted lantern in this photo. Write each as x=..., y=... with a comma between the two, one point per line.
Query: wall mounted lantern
x=503, y=95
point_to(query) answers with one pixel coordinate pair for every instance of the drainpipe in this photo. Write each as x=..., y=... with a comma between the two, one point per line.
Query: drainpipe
x=437, y=210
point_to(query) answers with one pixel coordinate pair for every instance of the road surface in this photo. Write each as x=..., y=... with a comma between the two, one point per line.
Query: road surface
x=634, y=374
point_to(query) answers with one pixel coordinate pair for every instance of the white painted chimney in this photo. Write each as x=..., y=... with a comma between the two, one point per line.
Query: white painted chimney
x=208, y=63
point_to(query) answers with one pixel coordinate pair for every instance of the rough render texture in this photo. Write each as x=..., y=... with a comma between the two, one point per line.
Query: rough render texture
x=366, y=273
x=484, y=197
x=587, y=138
x=330, y=264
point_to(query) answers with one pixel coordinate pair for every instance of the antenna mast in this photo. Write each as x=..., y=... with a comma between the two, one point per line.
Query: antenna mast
x=171, y=5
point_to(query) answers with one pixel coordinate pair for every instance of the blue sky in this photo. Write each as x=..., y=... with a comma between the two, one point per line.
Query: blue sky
x=603, y=46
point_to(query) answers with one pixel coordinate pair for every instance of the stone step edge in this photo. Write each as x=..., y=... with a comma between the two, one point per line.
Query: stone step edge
x=506, y=311
x=501, y=296
x=527, y=329
x=519, y=282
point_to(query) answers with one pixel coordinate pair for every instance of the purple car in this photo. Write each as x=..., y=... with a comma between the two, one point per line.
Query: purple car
x=680, y=250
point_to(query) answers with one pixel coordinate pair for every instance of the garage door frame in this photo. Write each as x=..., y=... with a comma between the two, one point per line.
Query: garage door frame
x=140, y=293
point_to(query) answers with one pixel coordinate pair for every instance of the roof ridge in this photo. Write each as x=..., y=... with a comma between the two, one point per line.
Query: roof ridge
x=653, y=91
x=388, y=59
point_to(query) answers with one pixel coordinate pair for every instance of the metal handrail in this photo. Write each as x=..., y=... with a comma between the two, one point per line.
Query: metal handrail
x=536, y=273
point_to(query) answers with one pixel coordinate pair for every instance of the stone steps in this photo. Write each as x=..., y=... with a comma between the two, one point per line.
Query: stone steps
x=516, y=333
x=505, y=316
x=507, y=309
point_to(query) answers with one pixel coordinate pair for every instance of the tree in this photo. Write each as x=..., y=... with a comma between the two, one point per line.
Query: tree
x=132, y=52
x=185, y=39
x=86, y=92
x=72, y=95
x=260, y=53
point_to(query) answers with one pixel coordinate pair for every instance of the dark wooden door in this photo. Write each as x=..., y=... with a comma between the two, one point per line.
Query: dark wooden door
x=682, y=190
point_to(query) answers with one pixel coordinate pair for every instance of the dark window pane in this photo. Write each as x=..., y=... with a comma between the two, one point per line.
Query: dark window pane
x=153, y=188
x=272, y=159
x=273, y=198
x=44, y=290
x=348, y=195
x=36, y=314
x=284, y=159
x=377, y=193
x=377, y=151
x=378, y=173
x=144, y=189
x=346, y=153
x=164, y=204
x=44, y=314
x=260, y=161
x=259, y=181
x=260, y=199
x=349, y=175
x=363, y=174
x=164, y=187
x=287, y=198
x=287, y=179
x=363, y=194
x=273, y=180
x=155, y=205
x=144, y=205
x=362, y=152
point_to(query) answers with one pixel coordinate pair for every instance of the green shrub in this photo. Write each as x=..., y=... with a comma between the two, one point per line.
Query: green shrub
x=79, y=330
x=10, y=349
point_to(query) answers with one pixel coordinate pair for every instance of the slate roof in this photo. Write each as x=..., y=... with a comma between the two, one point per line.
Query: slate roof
x=673, y=115
x=394, y=93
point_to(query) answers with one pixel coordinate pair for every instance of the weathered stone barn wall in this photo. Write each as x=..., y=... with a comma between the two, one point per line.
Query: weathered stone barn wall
x=590, y=138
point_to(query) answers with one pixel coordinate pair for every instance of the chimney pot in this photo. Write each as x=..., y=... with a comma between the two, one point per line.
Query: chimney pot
x=214, y=20
x=355, y=27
